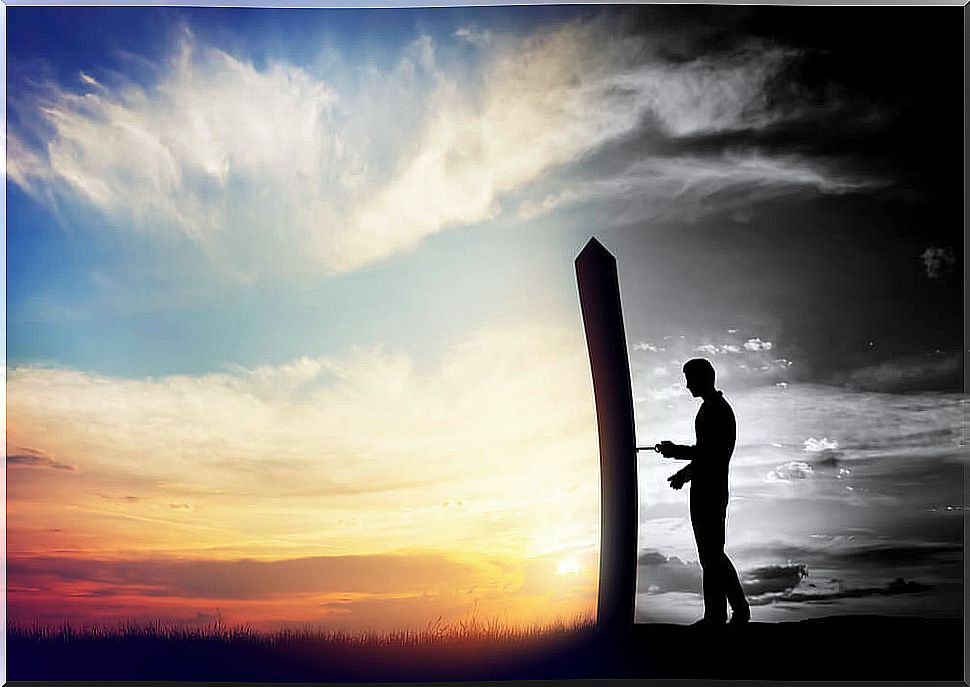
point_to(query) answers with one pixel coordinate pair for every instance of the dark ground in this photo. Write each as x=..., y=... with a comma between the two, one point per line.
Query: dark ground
x=834, y=648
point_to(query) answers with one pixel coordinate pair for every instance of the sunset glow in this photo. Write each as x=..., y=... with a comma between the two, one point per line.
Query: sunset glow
x=236, y=467
x=568, y=567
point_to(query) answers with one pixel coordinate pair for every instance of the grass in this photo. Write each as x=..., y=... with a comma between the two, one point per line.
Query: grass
x=469, y=648
x=895, y=648
x=436, y=633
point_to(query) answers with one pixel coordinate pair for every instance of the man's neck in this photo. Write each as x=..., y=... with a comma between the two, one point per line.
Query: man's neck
x=710, y=395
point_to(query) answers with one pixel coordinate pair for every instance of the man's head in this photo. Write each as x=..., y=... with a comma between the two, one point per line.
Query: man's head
x=700, y=376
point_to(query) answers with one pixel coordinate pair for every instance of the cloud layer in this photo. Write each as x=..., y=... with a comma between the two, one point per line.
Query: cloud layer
x=785, y=584
x=266, y=167
x=862, y=486
x=488, y=458
x=328, y=440
x=28, y=457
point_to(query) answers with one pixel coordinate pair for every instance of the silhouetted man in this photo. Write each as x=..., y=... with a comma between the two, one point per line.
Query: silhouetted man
x=715, y=431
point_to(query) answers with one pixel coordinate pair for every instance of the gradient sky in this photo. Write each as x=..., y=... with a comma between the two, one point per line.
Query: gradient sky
x=293, y=330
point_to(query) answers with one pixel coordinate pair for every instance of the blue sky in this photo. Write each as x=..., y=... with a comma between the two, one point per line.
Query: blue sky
x=63, y=313
x=290, y=252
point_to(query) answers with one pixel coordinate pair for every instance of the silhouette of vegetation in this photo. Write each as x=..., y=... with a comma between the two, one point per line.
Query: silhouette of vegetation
x=895, y=648
x=468, y=648
x=437, y=632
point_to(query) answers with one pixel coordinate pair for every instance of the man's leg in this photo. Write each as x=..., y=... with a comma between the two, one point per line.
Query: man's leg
x=735, y=594
x=740, y=611
x=710, y=551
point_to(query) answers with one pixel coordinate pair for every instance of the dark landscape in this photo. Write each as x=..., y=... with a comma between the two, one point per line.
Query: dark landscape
x=832, y=648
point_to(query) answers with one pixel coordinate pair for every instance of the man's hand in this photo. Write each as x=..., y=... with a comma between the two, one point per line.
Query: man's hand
x=667, y=448
x=677, y=480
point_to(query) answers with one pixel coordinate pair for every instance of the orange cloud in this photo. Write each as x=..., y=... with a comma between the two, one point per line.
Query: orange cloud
x=353, y=592
x=278, y=477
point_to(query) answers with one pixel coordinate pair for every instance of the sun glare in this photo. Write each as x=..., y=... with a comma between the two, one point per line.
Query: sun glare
x=567, y=566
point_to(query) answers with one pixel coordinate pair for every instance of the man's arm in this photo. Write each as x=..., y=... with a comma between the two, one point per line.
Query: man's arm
x=669, y=449
x=681, y=477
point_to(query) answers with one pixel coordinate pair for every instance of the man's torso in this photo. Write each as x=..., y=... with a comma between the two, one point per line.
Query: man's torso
x=716, y=432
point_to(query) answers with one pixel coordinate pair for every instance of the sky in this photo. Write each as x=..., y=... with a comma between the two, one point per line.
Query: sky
x=293, y=334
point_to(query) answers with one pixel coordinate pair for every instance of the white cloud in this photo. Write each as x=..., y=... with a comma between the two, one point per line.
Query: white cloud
x=756, y=344
x=269, y=168
x=666, y=393
x=736, y=367
x=813, y=445
x=645, y=190
x=26, y=167
x=218, y=151
x=258, y=166
x=88, y=79
x=476, y=37
x=794, y=469
x=546, y=100
x=724, y=349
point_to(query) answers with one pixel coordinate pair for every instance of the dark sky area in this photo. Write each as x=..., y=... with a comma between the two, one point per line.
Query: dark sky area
x=867, y=275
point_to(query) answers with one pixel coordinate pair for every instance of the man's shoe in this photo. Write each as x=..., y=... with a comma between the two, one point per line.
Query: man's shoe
x=708, y=623
x=740, y=617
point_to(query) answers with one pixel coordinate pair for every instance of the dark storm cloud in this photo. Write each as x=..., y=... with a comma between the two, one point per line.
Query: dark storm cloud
x=763, y=585
x=792, y=582
x=852, y=138
x=842, y=95
x=860, y=92
x=28, y=457
x=937, y=566
x=772, y=578
x=868, y=556
x=898, y=586
x=659, y=574
x=942, y=436
x=783, y=115
x=910, y=373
